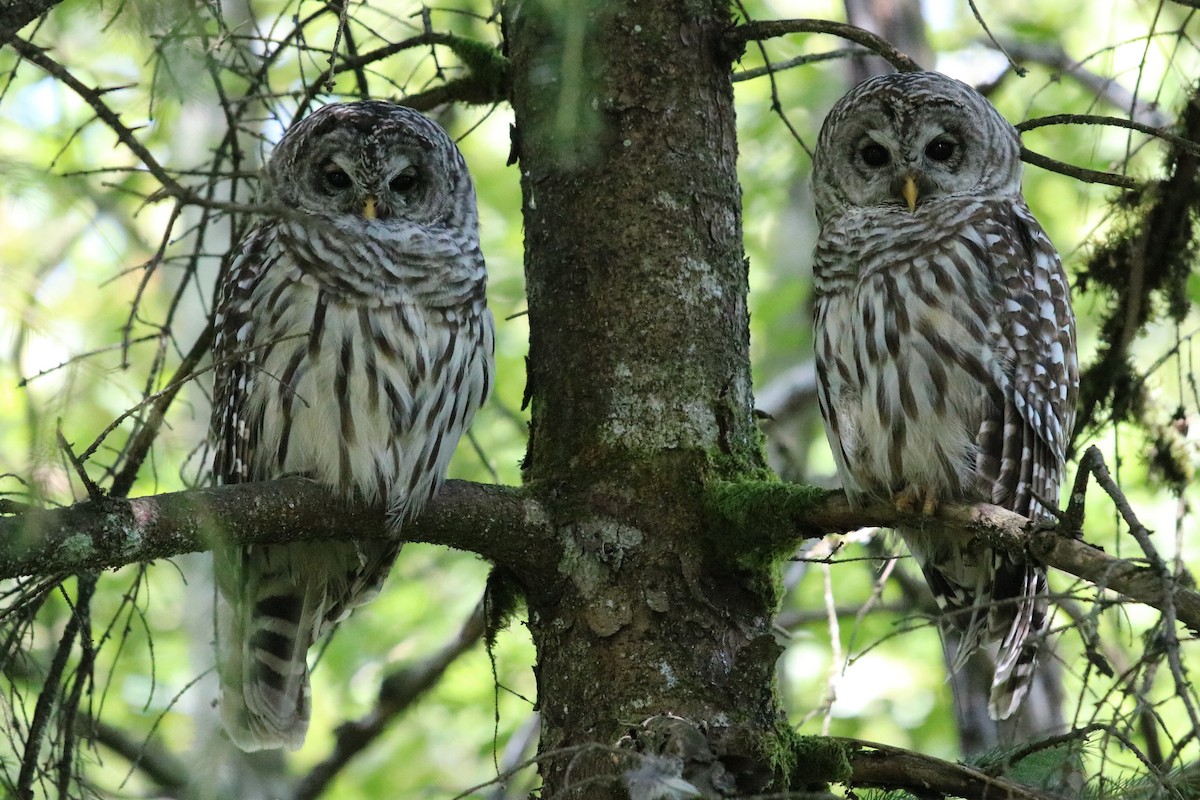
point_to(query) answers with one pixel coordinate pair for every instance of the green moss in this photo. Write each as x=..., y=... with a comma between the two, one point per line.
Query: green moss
x=803, y=762
x=757, y=521
x=485, y=63
x=821, y=758
x=763, y=509
x=502, y=601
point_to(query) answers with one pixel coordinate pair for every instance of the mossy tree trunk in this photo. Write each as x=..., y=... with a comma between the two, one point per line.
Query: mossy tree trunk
x=639, y=379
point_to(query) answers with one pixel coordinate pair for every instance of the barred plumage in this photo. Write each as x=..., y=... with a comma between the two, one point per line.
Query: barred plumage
x=353, y=346
x=945, y=342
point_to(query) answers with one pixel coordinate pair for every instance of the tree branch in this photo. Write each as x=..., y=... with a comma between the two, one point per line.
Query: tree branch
x=497, y=522
x=769, y=29
x=895, y=768
x=16, y=14
x=1079, y=173
x=774, y=514
x=506, y=526
x=1006, y=530
x=92, y=96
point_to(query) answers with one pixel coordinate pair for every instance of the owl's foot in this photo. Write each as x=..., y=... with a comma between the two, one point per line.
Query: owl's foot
x=916, y=500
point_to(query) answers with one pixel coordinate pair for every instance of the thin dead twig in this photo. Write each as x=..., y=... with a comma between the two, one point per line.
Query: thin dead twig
x=769, y=29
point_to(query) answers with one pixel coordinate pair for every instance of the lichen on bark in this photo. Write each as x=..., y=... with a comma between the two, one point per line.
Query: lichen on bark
x=639, y=381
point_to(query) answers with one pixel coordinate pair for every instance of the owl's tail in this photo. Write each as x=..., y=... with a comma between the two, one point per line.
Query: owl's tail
x=262, y=658
x=1017, y=620
x=990, y=597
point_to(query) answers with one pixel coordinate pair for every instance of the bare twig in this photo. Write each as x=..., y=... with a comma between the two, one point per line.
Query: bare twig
x=1017, y=68
x=147, y=432
x=36, y=55
x=343, y=10
x=48, y=697
x=776, y=106
x=1079, y=173
x=515, y=753
x=94, y=491
x=798, y=61
x=769, y=29
x=1107, y=89
x=1093, y=461
x=1116, y=122
x=397, y=692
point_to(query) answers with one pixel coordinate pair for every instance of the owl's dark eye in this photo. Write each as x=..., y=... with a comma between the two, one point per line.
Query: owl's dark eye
x=336, y=179
x=408, y=178
x=940, y=149
x=874, y=155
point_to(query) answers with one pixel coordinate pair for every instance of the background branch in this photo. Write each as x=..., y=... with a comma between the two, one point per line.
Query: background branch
x=399, y=689
x=1106, y=88
x=169, y=773
x=769, y=29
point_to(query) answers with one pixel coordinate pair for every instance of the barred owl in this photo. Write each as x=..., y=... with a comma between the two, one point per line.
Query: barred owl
x=353, y=346
x=945, y=343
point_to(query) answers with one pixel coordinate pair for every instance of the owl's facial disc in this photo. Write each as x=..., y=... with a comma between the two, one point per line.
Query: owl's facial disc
x=336, y=184
x=909, y=165
x=402, y=184
x=334, y=180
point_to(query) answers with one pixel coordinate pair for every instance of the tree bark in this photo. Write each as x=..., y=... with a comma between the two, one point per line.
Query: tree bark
x=16, y=14
x=639, y=378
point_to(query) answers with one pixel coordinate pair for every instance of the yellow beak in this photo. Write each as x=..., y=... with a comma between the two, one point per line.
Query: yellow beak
x=369, y=207
x=909, y=191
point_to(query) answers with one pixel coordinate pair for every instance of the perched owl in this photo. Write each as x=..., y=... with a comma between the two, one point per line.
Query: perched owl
x=945, y=342
x=353, y=346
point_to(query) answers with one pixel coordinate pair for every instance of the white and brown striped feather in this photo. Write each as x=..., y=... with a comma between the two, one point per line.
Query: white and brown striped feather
x=353, y=352
x=945, y=351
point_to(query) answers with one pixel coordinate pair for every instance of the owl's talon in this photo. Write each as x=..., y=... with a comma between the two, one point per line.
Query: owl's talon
x=906, y=499
x=914, y=500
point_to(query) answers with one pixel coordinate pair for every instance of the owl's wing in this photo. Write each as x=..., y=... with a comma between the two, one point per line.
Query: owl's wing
x=1023, y=446
x=234, y=360
x=832, y=375
x=1023, y=442
x=265, y=623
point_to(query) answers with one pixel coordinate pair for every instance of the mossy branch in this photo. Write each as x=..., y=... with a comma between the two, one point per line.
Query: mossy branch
x=506, y=526
x=487, y=81
x=773, y=517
